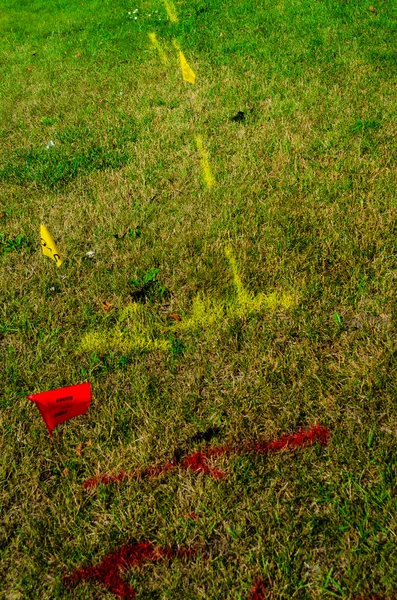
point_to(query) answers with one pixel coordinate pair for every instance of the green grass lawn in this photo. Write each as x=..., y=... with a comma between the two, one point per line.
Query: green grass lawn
x=283, y=274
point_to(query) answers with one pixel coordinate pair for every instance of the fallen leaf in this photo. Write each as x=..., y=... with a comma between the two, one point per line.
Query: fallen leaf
x=2, y=214
x=65, y=472
x=30, y=68
x=372, y=9
x=79, y=449
x=77, y=55
x=106, y=305
x=174, y=316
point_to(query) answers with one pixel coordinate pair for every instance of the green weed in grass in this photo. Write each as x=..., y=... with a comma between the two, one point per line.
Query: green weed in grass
x=10, y=244
x=148, y=287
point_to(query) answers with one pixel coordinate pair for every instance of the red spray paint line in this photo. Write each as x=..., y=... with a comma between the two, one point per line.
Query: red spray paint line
x=198, y=462
x=258, y=591
x=110, y=569
x=301, y=438
x=372, y=598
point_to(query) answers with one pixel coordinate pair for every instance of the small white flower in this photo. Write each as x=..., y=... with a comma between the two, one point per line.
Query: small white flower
x=63, y=276
x=50, y=144
x=52, y=289
x=129, y=12
x=136, y=10
x=149, y=15
x=121, y=93
x=90, y=253
x=136, y=18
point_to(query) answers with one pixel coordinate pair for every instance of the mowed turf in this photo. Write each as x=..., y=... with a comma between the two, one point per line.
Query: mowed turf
x=303, y=211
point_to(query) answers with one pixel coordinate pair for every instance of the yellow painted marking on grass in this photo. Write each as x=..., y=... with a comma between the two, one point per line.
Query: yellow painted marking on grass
x=242, y=294
x=187, y=72
x=206, y=313
x=132, y=332
x=245, y=302
x=205, y=165
x=171, y=11
x=156, y=44
x=209, y=312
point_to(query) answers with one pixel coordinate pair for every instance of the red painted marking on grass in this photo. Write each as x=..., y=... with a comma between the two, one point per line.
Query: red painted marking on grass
x=372, y=598
x=152, y=471
x=258, y=591
x=155, y=471
x=198, y=462
x=108, y=572
x=106, y=479
x=301, y=438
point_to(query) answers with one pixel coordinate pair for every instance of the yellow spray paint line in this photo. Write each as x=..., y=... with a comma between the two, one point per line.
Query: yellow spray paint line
x=136, y=331
x=187, y=72
x=171, y=11
x=156, y=44
x=238, y=284
x=177, y=45
x=209, y=312
x=208, y=177
x=131, y=333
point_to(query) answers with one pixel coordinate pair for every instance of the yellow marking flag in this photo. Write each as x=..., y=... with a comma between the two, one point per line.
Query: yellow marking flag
x=48, y=245
x=156, y=44
x=171, y=11
x=208, y=177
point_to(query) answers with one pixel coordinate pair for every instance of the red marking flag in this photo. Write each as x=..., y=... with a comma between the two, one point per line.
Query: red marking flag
x=57, y=406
